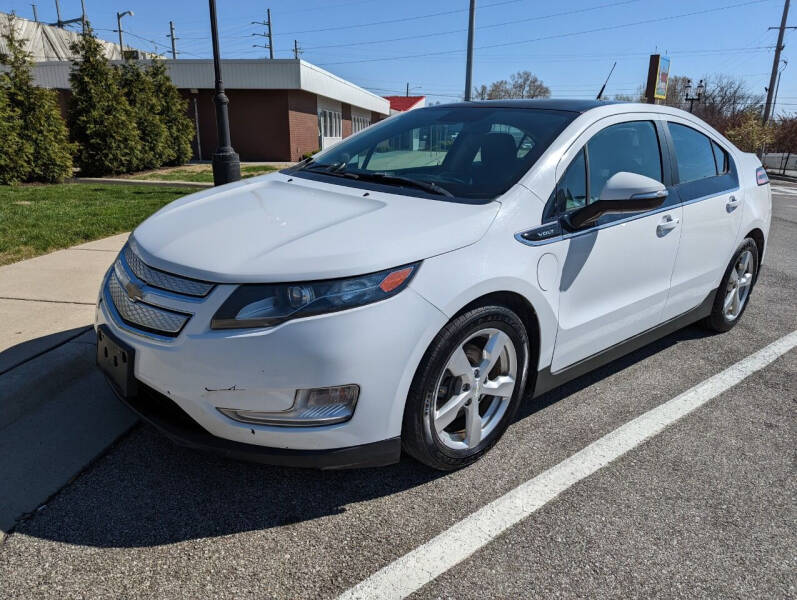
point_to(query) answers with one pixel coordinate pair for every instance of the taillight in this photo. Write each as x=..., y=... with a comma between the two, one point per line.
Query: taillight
x=761, y=177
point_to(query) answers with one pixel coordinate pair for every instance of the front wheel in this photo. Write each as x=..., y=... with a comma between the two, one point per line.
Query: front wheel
x=467, y=389
x=735, y=288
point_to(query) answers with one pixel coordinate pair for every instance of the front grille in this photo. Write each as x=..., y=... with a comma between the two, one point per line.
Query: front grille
x=144, y=316
x=165, y=281
x=149, y=301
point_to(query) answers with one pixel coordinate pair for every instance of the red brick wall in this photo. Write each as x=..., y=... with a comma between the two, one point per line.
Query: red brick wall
x=303, y=123
x=346, y=118
x=258, y=123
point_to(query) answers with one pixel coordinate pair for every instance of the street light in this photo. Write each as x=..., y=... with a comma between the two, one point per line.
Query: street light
x=226, y=164
x=701, y=87
x=119, y=16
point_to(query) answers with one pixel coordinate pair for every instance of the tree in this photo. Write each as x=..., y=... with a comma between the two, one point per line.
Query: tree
x=14, y=157
x=101, y=121
x=45, y=153
x=786, y=138
x=147, y=106
x=750, y=134
x=522, y=84
x=724, y=103
x=173, y=114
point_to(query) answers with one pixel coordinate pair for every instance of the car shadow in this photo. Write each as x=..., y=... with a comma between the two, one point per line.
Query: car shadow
x=147, y=491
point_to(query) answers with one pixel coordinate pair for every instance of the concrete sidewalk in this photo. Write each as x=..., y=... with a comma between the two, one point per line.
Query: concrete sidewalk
x=56, y=412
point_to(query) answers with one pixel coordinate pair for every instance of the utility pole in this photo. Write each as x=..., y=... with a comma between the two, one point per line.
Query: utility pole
x=777, y=85
x=226, y=164
x=174, y=40
x=776, y=61
x=35, y=13
x=297, y=52
x=270, y=44
x=469, y=65
x=119, y=16
x=60, y=22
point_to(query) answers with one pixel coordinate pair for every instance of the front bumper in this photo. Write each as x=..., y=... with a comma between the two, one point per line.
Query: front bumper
x=174, y=423
x=377, y=347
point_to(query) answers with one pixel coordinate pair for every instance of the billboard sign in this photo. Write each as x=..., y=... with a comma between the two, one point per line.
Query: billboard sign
x=662, y=78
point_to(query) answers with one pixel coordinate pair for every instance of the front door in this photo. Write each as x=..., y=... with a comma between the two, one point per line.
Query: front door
x=708, y=186
x=615, y=276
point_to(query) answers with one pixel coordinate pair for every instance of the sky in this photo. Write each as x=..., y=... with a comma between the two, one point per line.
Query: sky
x=384, y=45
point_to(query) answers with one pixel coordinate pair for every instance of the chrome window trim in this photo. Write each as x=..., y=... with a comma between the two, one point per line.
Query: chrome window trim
x=566, y=236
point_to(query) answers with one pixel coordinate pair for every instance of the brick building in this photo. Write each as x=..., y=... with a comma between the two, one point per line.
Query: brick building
x=279, y=109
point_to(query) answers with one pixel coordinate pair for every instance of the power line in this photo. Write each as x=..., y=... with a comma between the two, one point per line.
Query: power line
x=555, y=36
x=401, y=20
x=479, y=28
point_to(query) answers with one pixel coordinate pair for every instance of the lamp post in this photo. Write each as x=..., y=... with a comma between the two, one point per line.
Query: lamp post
x=226, y=164
x=119, y=16
x=701, y=87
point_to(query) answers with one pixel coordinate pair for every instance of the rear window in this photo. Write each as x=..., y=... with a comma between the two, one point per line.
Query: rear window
x=475, y=153
x=693, y=153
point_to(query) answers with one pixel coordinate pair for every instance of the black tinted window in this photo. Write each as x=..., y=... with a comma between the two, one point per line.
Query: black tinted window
x=720, y=158
x=693, y=153
x=473, y=152
x=571, y=191
x=632, y=147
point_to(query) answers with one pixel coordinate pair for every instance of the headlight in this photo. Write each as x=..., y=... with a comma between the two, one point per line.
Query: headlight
x=266, y=305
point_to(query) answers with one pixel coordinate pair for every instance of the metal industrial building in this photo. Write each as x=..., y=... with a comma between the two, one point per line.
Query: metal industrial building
x=279, y=109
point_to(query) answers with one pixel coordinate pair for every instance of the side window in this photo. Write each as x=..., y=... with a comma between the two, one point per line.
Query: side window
x=571, y=191
x=720, y=158
x=631, y=147
x=693, y=153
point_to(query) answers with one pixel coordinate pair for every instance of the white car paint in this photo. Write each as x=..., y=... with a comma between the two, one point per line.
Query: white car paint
x=588, y=291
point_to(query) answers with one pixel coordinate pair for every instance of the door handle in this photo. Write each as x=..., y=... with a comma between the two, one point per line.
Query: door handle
x=668, y=223
x=732, y=203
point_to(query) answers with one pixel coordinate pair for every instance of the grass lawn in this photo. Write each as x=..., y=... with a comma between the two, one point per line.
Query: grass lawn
x=36, y=219
x=201, y=173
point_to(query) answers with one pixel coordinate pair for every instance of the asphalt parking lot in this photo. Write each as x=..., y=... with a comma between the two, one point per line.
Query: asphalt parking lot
x=705, y=509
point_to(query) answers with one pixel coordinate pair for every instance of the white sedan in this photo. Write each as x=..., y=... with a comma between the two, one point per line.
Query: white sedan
x=409, y=287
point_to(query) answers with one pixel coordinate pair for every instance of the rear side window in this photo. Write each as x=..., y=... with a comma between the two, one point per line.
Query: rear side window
x=694, y=153
x=720, y=158
x=632, y=147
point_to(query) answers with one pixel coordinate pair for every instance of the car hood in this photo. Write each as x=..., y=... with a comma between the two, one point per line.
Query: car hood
x=279, y=228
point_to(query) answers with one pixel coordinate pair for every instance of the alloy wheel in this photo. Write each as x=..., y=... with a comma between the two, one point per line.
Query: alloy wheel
x=739, y=284
x=475, y=389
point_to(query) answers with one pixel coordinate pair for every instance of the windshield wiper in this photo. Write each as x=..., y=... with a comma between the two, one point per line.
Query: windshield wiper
x=398, y=180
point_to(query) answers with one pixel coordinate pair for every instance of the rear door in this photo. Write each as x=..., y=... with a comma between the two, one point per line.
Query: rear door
x=615, y=276
x=708, y=187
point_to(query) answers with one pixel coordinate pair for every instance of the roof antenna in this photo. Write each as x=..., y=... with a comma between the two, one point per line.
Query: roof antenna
x=607, y=81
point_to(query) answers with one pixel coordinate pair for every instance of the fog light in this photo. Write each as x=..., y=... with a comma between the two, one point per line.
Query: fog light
x=311, y=408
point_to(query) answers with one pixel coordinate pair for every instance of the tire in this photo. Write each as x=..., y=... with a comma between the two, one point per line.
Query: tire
x=743, y=267
x=490, y=338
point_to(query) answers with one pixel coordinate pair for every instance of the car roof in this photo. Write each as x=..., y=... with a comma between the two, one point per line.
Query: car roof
x=569, y=104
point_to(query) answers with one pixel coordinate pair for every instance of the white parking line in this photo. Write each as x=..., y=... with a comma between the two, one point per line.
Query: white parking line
x=779, y=189
x=407, y=574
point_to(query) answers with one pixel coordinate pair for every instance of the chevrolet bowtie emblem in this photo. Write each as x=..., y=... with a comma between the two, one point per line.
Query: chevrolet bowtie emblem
x=133, y=291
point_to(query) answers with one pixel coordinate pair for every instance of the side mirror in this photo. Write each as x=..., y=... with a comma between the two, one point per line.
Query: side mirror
x=623, y=193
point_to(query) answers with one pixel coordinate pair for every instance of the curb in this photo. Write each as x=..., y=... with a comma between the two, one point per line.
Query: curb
x=145, y=182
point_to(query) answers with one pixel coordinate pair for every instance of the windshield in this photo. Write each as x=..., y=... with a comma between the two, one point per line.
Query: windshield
x=472, y=153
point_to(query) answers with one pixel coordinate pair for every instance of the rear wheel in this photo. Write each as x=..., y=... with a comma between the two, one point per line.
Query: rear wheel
x=734, y=290
x=467, y=389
